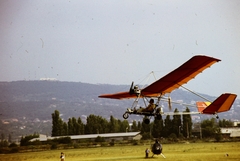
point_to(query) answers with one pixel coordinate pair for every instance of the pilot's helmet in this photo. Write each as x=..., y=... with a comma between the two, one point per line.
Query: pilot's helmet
x=151, y=101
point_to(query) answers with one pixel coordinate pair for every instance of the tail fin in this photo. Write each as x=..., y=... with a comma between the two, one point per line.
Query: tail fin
x=202, y=105
x=221, y=104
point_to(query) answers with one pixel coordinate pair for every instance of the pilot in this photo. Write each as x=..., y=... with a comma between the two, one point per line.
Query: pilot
x=149, y=108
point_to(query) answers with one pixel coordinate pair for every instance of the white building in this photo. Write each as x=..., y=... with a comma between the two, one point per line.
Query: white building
x=107, y=136
x=231, y=131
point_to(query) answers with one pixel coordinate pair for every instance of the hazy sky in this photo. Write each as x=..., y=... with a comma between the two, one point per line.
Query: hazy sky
x=120, y=41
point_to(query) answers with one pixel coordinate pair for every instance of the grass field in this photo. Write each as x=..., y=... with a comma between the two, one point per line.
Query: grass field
x=173, y=152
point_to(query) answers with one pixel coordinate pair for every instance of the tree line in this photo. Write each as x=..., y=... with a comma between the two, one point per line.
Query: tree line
x=94, y=125
x=180, y=126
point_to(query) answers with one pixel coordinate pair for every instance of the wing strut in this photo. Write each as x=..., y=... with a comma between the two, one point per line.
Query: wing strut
x=196, y=94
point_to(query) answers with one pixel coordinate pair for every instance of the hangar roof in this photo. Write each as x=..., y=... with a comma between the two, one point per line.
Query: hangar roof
x=89, y=136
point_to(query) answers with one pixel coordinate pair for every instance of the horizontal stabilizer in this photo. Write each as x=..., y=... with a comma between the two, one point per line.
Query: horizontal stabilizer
x=221, y=104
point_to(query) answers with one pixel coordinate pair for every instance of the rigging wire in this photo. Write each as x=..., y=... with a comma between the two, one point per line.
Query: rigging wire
x=147, y=78
x=196, y=93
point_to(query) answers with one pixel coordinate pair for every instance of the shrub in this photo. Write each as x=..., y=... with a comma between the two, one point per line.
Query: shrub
x=12, y=145
x=134, y=142
x=25, y=140
x=62, y=140
x=14, y=150
x=99, y=139
x=173, y=137
x=112, y=142
x=54, y=146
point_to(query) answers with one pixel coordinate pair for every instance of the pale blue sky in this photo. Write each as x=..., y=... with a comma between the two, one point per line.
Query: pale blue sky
x=117, y=42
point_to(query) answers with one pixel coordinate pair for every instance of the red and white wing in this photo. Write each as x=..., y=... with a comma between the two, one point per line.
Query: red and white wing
x=180, y=76
x=171, y=81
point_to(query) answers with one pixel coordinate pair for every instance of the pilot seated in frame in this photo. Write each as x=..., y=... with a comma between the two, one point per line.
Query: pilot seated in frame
x=149, y=108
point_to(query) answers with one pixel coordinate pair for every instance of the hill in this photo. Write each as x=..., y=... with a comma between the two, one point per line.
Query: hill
x=26, y=106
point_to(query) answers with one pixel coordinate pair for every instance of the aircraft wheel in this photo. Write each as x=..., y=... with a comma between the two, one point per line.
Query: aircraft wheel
x=125, y=115
x=147, y=121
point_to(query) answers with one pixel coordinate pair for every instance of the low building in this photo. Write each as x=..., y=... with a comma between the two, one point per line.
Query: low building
x=230, y=132
x=107, y=136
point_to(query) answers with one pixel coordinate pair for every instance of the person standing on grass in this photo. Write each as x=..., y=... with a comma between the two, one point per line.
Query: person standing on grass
x=62, y=157
x=147, y=151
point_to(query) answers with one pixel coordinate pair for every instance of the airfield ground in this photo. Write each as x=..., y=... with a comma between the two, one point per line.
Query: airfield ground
x=228, y=151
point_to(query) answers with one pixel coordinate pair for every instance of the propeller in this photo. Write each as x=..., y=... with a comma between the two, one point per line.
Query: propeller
x=131, y=90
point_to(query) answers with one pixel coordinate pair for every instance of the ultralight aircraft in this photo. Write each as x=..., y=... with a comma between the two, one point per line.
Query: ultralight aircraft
x=170, y=82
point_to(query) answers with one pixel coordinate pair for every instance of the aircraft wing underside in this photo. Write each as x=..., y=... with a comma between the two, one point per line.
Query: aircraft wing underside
x=171, y=81
x=181, y=75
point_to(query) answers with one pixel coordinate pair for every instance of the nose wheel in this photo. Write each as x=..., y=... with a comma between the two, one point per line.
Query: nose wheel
x=125, y=115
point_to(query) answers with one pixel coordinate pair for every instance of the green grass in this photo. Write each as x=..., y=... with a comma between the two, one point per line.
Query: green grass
x=173, y=152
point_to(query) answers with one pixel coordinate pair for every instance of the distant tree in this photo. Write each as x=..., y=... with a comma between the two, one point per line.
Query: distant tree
x=57, y=124
x=70, y=127
x=81, y=126
x=187, y=124
x=65, y=129
x=2, y=137
x=134, y=126
x=225, y=123
x=75, y=126
x=124, y=126
x=176, y=123
x=209, y=128
x=113, y=125
x=167, y=129
x=145, y=130
x=139, y=126
x=145, y=127
x=96, y=125
x=157, y=129
x=218, y=135
x=104, y=125
x=4, y=143
x=10, y=138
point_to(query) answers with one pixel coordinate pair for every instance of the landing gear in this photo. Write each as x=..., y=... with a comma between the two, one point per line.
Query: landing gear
x=125, y=115
x=146, y=120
